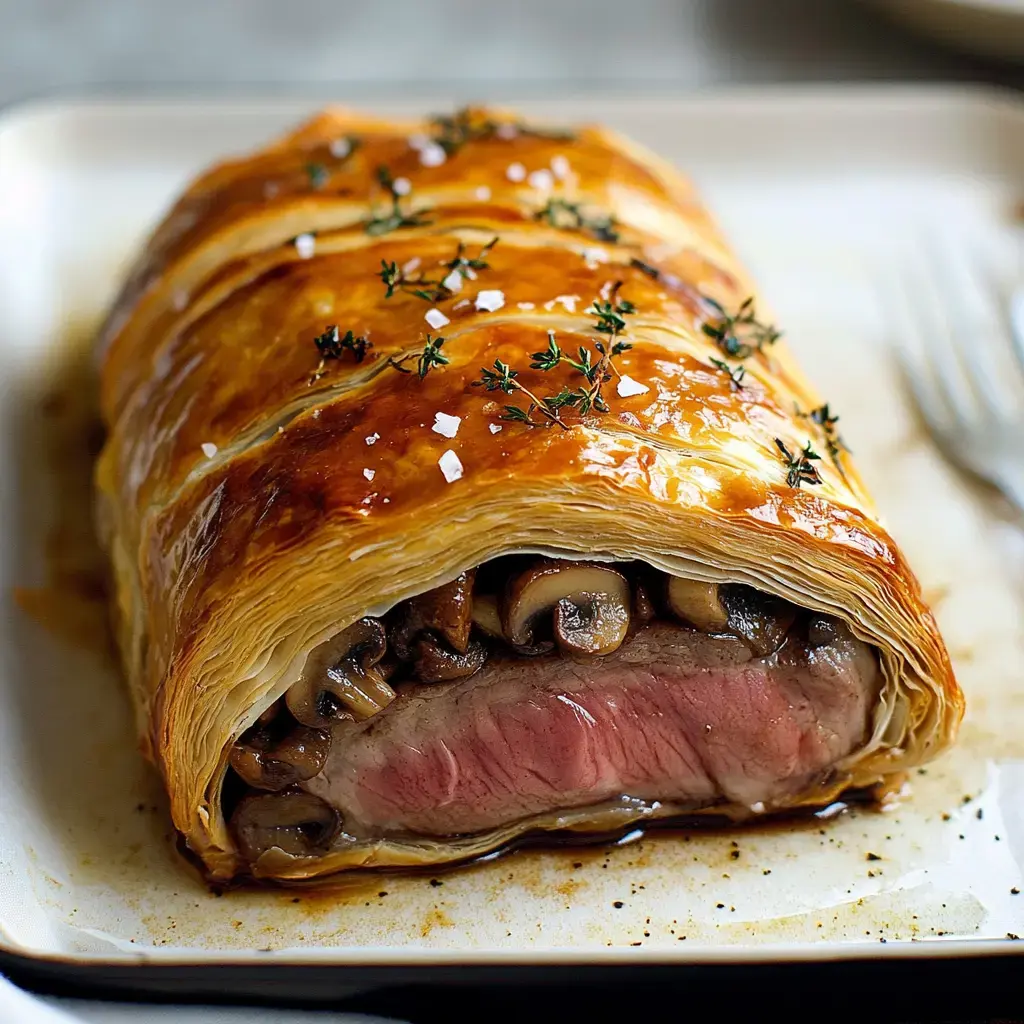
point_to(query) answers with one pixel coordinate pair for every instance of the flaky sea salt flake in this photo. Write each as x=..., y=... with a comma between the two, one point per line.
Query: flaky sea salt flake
x=542, y=179
x=451, y=466
x=432, y=155
x=490, y=299
x=445, y=425
x=627, y=387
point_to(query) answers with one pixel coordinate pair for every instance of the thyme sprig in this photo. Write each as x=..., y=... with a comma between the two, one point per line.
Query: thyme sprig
x=503, y=378
x=800, y=468
x=467, y=266
x=382, y=223
x=735, y=373
x=569, y=216
x=596, y=373
x=426, y=360
x=739, y=334
x=471, y=124
x=596, y=367
x=834, y=443
x=332, y=344
x=395, y=278
x=610, y=316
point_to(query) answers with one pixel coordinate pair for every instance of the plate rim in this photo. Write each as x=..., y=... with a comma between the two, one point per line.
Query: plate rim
x=976, y=97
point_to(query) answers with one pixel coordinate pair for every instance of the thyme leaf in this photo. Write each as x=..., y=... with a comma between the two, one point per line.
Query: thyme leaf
x=318, y=175
x=549, y=358
x=799, y=468
x=568, y=216
x=426, y=360
x=739, y=334
x=645, y=268
x=735, y=374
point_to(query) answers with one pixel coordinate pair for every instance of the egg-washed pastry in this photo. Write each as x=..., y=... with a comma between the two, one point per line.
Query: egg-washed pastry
x=458, y=487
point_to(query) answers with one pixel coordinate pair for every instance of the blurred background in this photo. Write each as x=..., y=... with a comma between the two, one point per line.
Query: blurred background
x=485, y=49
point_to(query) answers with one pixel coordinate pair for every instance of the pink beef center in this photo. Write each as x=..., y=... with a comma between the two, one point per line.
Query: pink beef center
x=673, y=715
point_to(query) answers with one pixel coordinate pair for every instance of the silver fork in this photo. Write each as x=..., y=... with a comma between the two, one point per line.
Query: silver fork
x=962, y=355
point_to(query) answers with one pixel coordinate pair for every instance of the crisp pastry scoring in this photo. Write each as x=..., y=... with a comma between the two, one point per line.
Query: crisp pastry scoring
x=459, y=485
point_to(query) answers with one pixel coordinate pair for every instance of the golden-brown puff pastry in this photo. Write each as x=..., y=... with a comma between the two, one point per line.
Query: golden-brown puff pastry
x=302, y=436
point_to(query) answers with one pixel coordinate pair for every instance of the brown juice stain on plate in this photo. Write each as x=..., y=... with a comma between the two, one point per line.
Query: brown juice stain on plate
x=72, y=601
x=435, y=918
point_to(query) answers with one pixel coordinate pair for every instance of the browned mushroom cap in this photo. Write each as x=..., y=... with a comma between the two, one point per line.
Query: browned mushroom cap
x=340, y=678
x=293, y=820
x=697, y=603
x=436, y=663
x=266, y=759
x=446, y=611
x=761, y=619
x=590, y=605
x=486, y=616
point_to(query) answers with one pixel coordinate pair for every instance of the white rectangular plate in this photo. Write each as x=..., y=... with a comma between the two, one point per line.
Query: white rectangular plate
x=823, y=192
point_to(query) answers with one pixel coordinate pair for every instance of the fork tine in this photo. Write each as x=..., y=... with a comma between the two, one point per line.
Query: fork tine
x=948, y=349
x=979, y=331
x=926, y=355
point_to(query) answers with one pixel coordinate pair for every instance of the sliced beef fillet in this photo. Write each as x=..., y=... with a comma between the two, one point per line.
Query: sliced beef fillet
x=673, y=715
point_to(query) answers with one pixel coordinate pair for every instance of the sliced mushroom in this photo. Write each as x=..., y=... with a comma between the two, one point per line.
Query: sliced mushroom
x=437, y=663
x=293, y=820
x=486, y=615
x=447, y=611
x=591, y=623
x=698, y=604
x=761, y=619
x=340, y=678
x=268, y=760
x=590, y=606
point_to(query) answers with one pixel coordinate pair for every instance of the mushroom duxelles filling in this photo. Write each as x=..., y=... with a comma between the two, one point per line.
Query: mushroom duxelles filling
x=440, y=686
